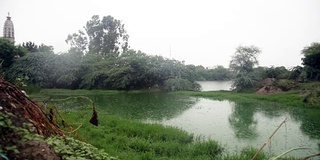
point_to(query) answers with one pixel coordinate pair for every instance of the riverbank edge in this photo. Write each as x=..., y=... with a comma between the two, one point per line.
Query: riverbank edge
x=289, y=99
x=247, y=153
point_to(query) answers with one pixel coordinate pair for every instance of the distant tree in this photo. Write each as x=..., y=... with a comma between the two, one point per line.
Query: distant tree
x=221, y=73
x=9, y=52
x=106, y=37
x=244, y=59
x=297, y=73
x=46, y=49
x=78, y=42
x=30, y=46
x=45, y=70
x=242, y=63
x=277, y=72
x=259, y=73
x=311, y=60
x=34, y=67
x=244, y=81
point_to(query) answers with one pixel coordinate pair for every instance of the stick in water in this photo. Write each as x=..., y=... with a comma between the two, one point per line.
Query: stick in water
x=268, y=140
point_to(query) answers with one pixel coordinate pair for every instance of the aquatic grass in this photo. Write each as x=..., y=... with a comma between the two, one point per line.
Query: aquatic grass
x=130, y=139
x=245, y=154
x=208, y=148
x=76, y=92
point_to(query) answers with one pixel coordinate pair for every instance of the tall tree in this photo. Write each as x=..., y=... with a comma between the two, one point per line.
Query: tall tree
x=46, y=49
x=106, y=37
x=30, y=46
x=242, y=63
x=78, y=42
x=311, y=60
x=244, y=59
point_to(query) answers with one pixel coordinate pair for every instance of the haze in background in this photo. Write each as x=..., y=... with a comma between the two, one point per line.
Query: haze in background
x=198, y=32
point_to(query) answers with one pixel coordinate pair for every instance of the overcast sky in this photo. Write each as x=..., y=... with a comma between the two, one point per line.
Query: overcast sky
x=200, y=32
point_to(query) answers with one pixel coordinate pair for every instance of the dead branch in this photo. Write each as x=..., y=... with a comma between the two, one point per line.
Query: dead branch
x=268, y=140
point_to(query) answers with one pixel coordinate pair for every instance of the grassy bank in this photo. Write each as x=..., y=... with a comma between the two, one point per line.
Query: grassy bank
x=293, y=98
x=128, y=139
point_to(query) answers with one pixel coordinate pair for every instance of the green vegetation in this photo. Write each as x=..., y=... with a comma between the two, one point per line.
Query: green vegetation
x=24, y=137
x=127, y=139
x=243, y=62
x=8, y=53
x=130, y=139
x=292, y=99
x=311, y=61
x=100, y=59
x=121, y=138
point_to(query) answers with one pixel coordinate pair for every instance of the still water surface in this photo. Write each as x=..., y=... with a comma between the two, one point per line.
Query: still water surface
x=235, y=125
x=215, y=85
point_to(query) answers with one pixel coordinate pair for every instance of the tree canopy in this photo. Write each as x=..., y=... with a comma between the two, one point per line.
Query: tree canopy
x=106, y=37
x=244, y=59
x=9, y=52
x=311, y=60
x=242, y=62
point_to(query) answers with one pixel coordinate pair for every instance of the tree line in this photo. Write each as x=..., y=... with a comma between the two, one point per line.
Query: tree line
x=100, y=58
x=245, y=64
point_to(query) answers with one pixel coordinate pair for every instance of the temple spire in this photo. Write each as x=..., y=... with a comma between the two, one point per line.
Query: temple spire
x=8, y=29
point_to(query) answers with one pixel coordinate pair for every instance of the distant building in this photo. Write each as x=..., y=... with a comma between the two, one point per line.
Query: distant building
x=8, y=30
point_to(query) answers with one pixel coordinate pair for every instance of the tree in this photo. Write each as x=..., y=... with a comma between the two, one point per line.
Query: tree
x=242, y=63
x=245, y=59
x=78, y=42
x=311, y=60
x=46, y=49
x=106, y=37
x=45, y=70
x=277, y=72
x=9, y=52
x=30, y=46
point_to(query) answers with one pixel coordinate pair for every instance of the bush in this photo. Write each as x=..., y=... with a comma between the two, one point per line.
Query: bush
x=286, y=85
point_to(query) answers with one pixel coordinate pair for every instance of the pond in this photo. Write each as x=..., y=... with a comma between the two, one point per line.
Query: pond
x=234, y=125
x=215, y=85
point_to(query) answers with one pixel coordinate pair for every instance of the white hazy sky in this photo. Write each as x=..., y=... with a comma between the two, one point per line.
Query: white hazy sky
x=200, y=32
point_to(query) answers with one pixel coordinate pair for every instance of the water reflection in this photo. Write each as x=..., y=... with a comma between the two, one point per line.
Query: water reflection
x=137, y=105
x=243, y=122
x=310, y=119
x=238, y=125
x=234, y=125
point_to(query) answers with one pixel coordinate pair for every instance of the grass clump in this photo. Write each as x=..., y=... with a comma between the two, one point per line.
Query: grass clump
x=128, y=139
x=246, y=154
